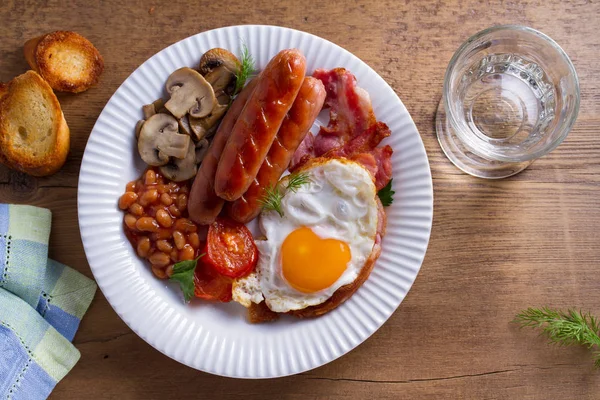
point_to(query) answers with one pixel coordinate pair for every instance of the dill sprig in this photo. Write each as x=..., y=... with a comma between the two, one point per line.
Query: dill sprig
x=564, y=328
x=297, y=180
x=271, y=200
x=246, y=70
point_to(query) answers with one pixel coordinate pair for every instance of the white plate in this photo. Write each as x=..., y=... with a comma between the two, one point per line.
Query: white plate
x=216, y=338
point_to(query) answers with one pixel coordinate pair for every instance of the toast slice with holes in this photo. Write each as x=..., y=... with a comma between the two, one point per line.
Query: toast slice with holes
x=34, y=136
x=66, y=60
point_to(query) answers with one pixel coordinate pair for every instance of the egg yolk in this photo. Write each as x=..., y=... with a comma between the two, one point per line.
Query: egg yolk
x=310, y=263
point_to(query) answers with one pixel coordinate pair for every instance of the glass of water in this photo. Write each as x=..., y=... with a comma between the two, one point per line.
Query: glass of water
x=511, y=95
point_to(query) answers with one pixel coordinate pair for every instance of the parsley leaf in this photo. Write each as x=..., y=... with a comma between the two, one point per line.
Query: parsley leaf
x=183, y=272
x=386, y=194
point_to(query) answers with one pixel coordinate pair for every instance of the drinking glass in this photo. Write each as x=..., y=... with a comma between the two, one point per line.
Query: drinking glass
x=511, y=95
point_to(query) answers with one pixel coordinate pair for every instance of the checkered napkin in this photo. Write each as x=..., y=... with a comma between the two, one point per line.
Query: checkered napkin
x=41, y=304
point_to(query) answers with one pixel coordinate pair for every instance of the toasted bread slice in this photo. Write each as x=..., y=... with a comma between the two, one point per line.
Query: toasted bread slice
x=34, y=136
x=67, y=60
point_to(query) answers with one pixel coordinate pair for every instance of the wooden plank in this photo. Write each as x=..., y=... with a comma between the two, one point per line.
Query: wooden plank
x=496, y=246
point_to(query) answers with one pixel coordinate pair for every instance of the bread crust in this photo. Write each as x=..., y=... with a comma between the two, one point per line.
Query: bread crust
x=22, y=158
x=40, y=50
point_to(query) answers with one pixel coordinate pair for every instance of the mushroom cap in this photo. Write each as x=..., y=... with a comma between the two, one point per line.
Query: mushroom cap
x=190, y=93
x=218, y=57
x=160, y=139
x=181, y=169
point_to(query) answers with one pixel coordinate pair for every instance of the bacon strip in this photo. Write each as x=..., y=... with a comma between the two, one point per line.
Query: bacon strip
x=351, y=112
x=352, y=132
x=363, y=142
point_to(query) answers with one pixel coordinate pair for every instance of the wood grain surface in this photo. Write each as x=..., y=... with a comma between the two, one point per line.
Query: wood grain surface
x=496, y=246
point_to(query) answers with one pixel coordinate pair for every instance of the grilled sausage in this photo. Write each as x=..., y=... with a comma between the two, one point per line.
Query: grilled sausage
x=257, y=125
x=294, y=128
x=203, y=203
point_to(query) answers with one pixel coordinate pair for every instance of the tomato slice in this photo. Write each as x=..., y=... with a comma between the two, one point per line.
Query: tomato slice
x=230, y=248
x=211, y=286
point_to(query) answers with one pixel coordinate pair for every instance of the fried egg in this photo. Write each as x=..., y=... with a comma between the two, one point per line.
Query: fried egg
x=321, y=242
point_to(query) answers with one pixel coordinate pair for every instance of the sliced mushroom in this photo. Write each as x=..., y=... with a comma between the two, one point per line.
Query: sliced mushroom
x=160, y=139
x=153, y=108
x=217, y=57
x=163, y=110
x=158, y=104
x=180, y=170
x=204, y=127
x=197, y=127
x=148, y=110
x=138, y=127
x=184, y=125
x=201, y=150
x=190, y=92
x=221, y=79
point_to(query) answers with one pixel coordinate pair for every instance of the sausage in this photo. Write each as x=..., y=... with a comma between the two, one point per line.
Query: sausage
x=203, y=203
x=294, y=128
x=257, y=125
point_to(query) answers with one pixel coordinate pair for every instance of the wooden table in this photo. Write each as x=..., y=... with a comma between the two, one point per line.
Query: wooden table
x=496, y=247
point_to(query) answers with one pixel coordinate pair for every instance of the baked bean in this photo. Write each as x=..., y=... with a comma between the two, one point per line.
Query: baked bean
x=130, y=221
x=162, y=189
x=181, y=202
x=162, y=234
x=179, y=240
x=147, y=224
x=194, y=240
x=127, y=200
x=156, y=221
x=149, y=197
x=185, y=225
x=136, y=209
x=159, y=272
x=164, y=246
x=174, y=211
x=187, y=253
x=166, y=199
x=164, y=219
x=159, y=259
x=150, y=177
x=143, y=247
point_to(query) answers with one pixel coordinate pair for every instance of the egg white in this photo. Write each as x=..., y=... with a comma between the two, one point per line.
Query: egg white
x=338, y=203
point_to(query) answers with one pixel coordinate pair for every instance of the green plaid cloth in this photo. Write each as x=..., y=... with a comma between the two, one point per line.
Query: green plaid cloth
x=41, y=305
